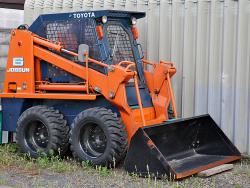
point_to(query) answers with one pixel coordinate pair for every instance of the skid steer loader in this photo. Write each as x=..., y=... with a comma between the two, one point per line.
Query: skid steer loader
x=79, y=81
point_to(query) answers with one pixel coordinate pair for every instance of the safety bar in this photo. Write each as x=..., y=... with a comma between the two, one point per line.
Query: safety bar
x=138, y=96
x=87, y=71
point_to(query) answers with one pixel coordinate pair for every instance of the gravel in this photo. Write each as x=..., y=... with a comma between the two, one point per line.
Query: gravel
x=13, y=176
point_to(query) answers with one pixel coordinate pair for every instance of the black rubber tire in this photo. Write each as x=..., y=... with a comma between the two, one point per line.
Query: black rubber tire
x=114, y=130
x=56, y=126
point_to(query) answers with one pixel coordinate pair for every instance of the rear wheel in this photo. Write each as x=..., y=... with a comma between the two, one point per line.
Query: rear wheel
x=41, y=129
x=99, y=137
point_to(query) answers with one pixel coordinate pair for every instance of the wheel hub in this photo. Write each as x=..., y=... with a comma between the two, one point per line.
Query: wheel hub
x=42, y=135
x=37, y=136
x=93, y=140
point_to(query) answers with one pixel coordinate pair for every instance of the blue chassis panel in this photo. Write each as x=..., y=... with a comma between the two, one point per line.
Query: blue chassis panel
x=13, y=108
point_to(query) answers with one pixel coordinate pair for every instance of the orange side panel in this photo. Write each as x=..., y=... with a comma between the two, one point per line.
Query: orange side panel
x=149, y=114
x=20, y=64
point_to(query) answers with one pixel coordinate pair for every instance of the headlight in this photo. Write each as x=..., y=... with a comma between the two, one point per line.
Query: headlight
x=133, y=20
x=104, y=19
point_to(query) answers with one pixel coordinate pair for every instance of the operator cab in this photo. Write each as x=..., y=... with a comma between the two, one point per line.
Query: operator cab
x=110, y=36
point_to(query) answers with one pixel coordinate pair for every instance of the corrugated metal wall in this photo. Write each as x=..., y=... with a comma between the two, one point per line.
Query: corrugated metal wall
x=209, y=42
x=9, y=19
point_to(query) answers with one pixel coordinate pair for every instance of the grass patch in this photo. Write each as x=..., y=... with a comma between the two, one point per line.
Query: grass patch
x=243, y=167
x=55, y=163
x=246, y=160
x=248, y=173
x=103, y=171
x=10, y=157
x=2, y=181
x=237, y=186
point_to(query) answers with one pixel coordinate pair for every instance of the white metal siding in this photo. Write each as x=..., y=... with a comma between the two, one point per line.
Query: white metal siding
x=208, y=41
x=242, y=78
x=9, y=19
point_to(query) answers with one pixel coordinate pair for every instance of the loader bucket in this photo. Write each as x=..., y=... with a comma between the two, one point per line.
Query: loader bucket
x=179, y=148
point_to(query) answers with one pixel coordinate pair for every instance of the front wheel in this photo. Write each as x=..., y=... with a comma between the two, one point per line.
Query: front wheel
x=42, y=129
x=99, y=137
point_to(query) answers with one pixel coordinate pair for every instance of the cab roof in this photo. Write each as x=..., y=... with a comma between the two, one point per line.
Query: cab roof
x=83, y=15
